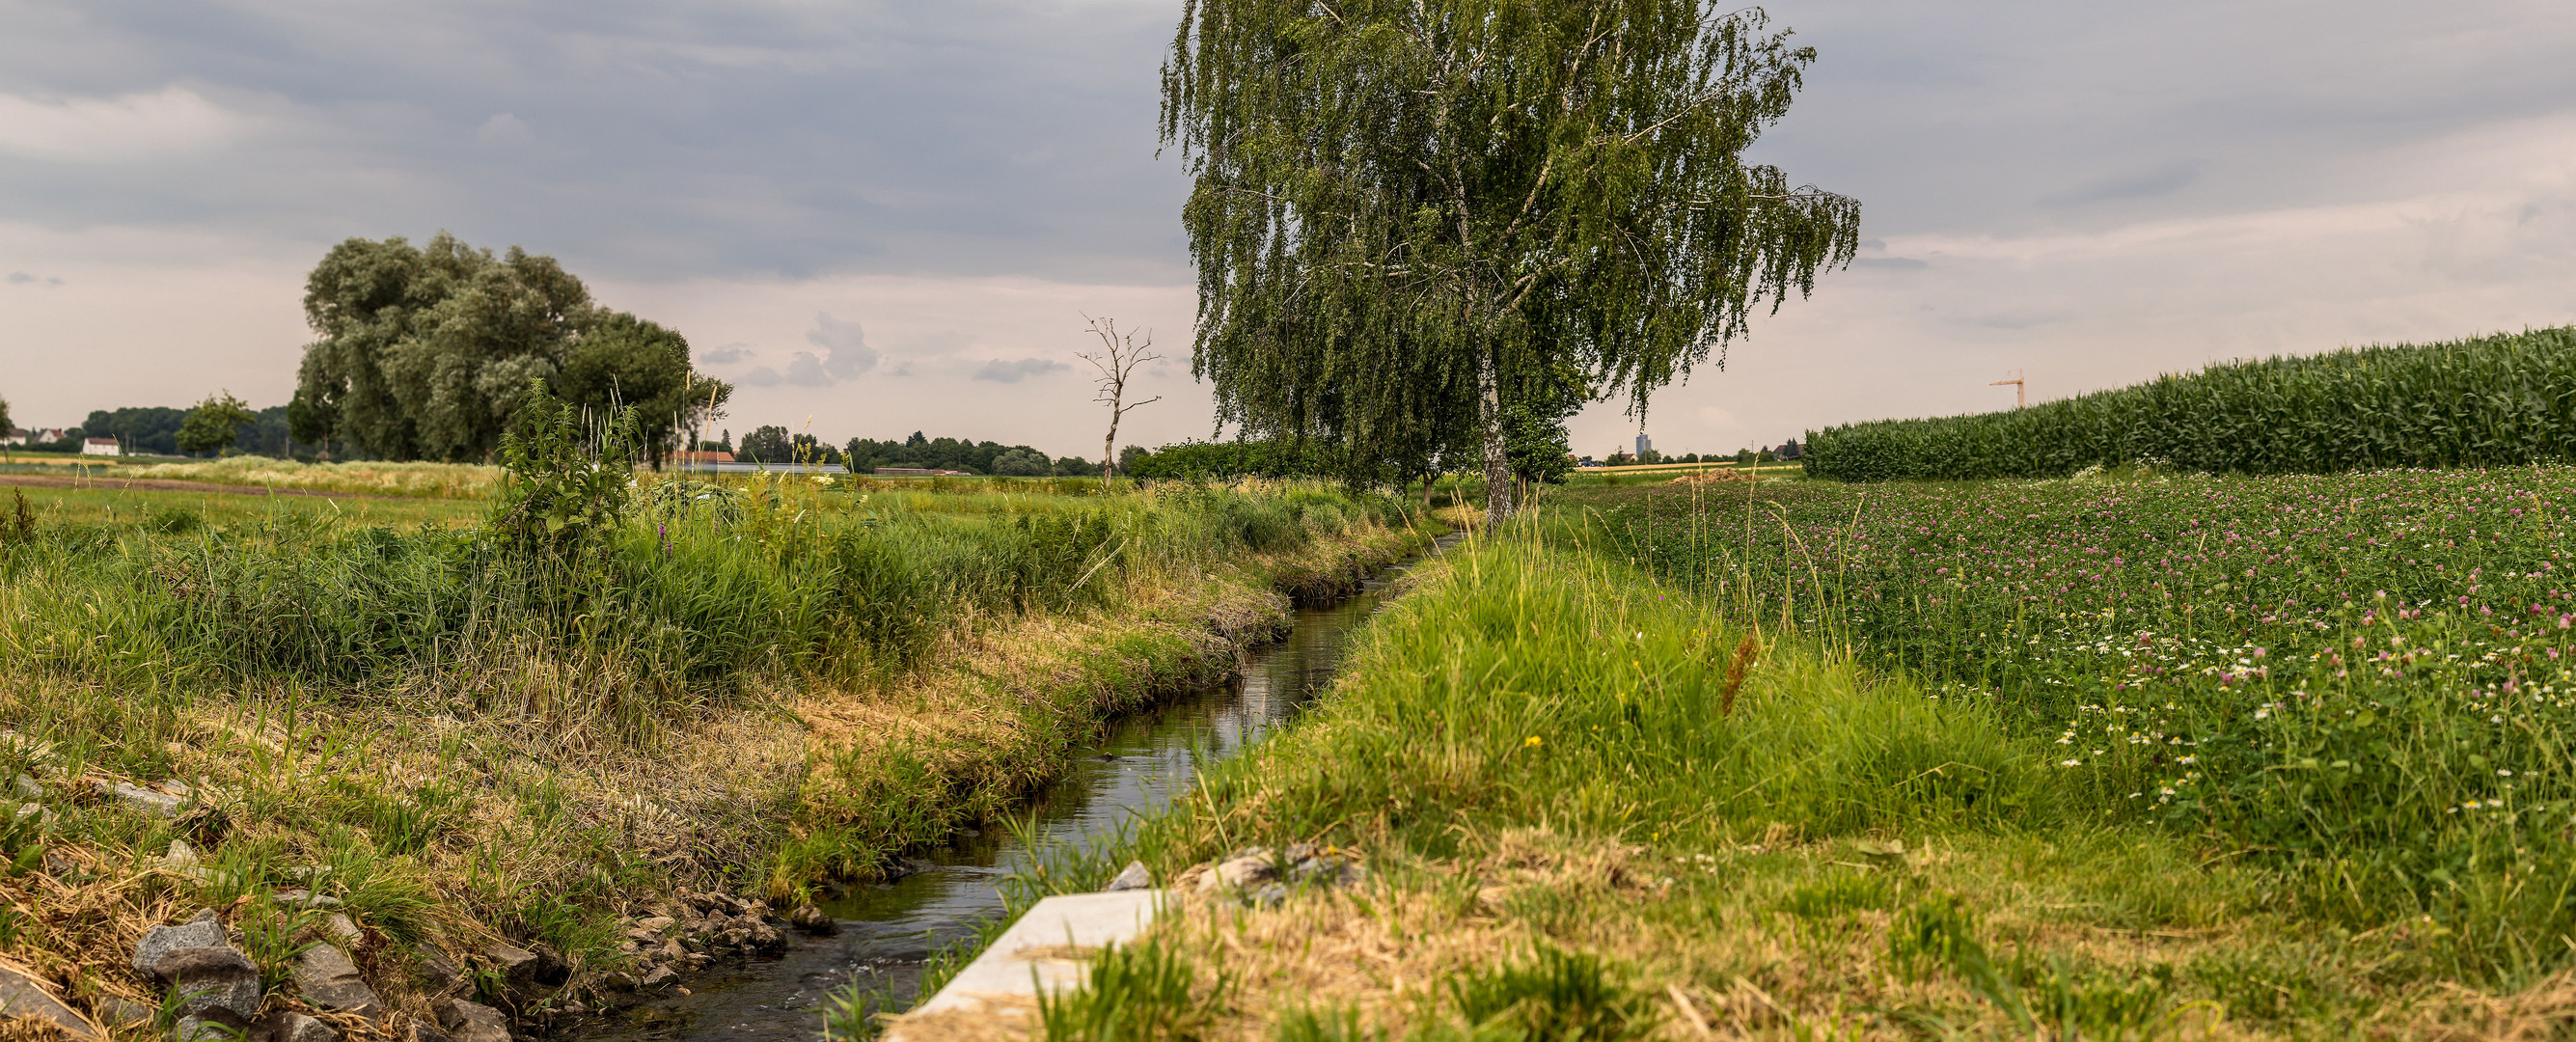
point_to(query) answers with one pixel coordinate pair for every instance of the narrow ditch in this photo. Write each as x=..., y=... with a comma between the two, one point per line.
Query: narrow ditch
x=888, y=931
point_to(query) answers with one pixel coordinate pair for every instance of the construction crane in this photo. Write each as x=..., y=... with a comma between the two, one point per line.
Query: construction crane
x=2016, y=386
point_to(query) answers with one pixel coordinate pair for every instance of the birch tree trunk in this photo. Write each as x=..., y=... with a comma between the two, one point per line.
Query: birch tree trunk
x=1109, y=461
x=1498, y=467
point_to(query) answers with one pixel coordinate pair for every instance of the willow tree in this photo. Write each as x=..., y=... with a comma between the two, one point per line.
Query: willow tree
x=1410, y=210
x=428, y=352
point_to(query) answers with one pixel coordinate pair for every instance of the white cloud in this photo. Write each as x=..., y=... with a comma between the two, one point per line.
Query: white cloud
x=1004, y=371
x=504, y=129
x=2467, y=234
x=124, y=128
x=845, y=347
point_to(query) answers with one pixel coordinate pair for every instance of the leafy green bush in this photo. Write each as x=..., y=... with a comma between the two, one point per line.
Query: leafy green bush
x=2490, y=401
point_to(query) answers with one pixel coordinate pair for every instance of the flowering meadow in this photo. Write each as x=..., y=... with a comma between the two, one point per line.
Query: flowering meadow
x=2367, y=680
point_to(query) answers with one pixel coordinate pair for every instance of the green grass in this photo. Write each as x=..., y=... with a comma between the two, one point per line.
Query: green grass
x=1534, y=748
x=163, y=512
x=2361, y=680
x=745, y=685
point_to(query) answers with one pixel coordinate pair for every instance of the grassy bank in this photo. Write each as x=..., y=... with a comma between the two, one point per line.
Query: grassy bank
x=1581, y=818
x=539, y=728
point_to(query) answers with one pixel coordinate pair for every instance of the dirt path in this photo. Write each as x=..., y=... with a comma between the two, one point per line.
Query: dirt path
x=109, y=484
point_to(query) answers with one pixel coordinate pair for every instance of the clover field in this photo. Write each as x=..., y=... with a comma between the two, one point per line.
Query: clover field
x=2362, y=682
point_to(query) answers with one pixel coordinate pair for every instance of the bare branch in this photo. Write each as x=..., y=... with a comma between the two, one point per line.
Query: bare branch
x=1119, y=355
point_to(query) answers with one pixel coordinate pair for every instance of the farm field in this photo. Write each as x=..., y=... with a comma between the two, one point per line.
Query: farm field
x=2132, y=756
x=475, y=722
x=433, y=480
x=179, y=512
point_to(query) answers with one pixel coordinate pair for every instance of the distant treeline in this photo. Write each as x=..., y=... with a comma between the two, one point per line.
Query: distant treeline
x=2491, y=401
x=774, y=444
x=1223, y=460
x=154, y=430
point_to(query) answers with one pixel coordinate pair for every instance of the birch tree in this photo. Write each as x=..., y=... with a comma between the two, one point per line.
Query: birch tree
x=1406, y=211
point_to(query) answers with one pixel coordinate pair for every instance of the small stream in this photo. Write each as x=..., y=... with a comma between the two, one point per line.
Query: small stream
x=890, y=930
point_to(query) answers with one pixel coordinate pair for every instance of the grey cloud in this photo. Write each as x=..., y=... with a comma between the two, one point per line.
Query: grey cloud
x=763, y=376
x=726, y=355
x=805, y=370
x=1008, y=372
x=659, y=139
x=503, y=129
x=20, y=278
x=666, y=139
x=846, y=350
x=2161, y=180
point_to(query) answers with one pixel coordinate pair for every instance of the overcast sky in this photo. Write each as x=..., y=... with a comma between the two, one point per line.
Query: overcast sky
x=889, y=217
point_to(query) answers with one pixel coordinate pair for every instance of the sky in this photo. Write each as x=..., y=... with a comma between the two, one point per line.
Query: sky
x=878, y=218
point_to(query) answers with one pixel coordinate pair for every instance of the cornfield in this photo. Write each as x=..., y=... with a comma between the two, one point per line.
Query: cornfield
x=2488, y=401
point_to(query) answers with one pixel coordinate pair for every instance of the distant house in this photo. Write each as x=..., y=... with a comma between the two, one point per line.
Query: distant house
x=1789, y=449
x=16, y=436
x=687, y=459
x=101, y=447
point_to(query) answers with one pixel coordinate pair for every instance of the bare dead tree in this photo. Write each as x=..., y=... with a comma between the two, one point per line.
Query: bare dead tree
x=1119, y=355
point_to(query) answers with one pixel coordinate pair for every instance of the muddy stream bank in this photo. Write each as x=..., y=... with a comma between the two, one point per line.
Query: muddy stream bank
x=889, y=931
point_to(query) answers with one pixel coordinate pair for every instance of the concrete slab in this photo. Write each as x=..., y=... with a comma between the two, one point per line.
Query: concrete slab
x=1048, y=947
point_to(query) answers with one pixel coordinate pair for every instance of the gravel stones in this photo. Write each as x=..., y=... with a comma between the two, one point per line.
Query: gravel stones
x=1248, y=868
x=1265, y=878
x=290, y=1026
x=145, y=800
x=814, y=920
x=1132, y=877
x=517, y=965
x=200, y=932
x=472, y=1022
x=438, y=974
x=24, y=997
x=211, y=980
x=326, y=977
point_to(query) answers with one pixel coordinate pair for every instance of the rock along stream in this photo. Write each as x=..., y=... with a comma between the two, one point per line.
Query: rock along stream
x=889, y=931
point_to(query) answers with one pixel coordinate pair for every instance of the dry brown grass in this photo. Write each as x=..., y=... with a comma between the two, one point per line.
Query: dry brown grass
x=430, y=480
x=1720, y=960
x=1388, y=949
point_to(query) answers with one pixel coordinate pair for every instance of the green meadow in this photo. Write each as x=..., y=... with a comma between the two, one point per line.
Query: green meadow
x=532, y=715
x=2139, y=755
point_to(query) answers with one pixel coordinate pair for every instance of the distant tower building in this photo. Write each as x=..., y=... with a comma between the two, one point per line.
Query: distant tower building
x=1644, y=444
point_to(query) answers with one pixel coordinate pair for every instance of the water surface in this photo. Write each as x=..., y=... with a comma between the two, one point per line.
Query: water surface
x=890, y=930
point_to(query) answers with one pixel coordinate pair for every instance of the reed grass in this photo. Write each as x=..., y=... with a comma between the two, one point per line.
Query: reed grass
x=748, y=685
